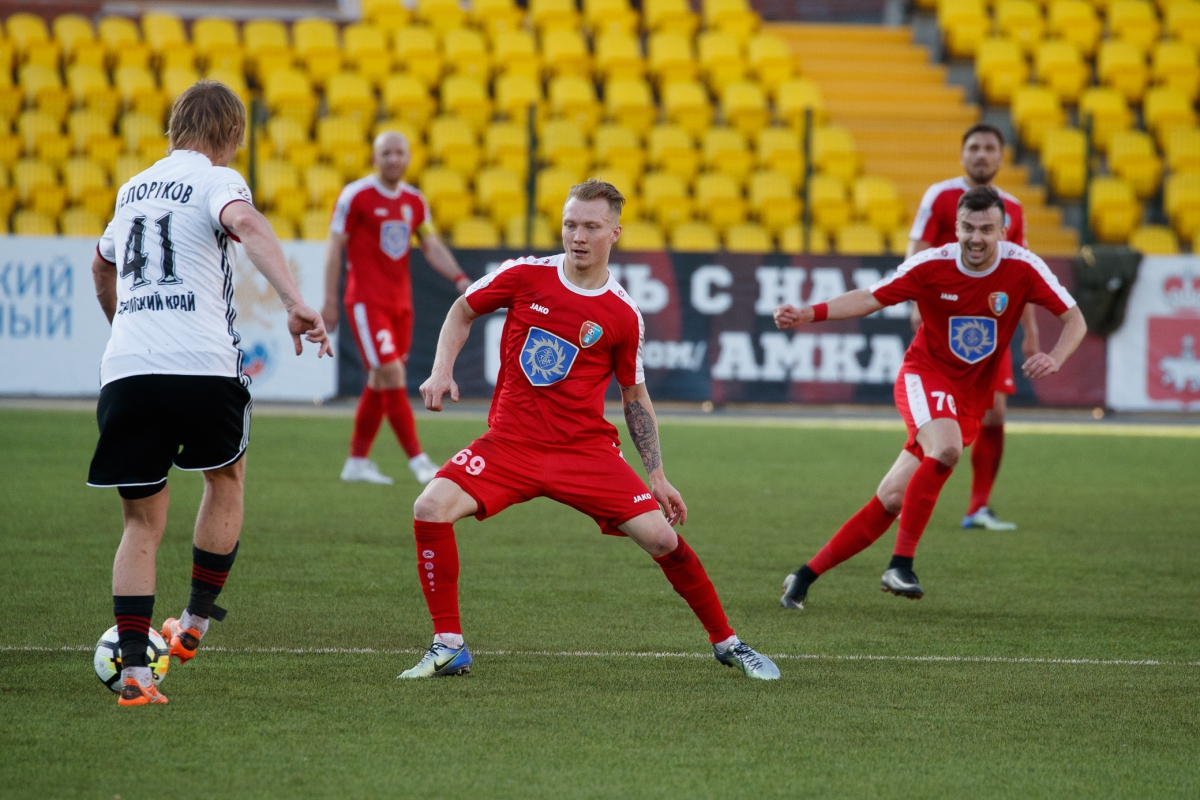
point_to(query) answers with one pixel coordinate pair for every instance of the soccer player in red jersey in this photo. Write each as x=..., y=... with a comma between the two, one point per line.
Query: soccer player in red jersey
x=935, y=225
x=971, y=295
x=570, y=328
x=373, y=223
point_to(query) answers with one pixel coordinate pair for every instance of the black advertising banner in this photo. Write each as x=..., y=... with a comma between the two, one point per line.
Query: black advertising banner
x=709, y=332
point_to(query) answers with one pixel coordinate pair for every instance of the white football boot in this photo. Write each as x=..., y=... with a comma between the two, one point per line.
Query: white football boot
x=984, y=518
x=423, y=468
x=752, y=663
x=363, y=470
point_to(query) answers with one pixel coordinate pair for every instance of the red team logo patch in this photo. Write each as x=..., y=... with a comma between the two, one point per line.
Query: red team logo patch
x=590, y=333
x=998, y=302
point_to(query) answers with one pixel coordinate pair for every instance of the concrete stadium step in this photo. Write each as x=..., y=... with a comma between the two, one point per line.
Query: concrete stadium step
x=962, y=116
x=897, y=92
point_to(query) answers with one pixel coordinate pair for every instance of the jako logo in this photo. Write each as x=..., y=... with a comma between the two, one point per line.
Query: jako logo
x=539, y=309
x=949, y=296
x=642, y=497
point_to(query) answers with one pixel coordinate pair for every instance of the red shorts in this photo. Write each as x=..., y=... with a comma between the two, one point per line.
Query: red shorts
x=922, y=397
x=383, y=334
x=1004, y=375
x=594, y=479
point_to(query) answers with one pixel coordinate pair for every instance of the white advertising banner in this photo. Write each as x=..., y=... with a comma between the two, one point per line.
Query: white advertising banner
x=53, y=333
x=1153, y=360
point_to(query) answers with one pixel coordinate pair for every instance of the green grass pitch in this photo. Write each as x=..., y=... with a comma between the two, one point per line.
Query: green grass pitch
x=1104, y=568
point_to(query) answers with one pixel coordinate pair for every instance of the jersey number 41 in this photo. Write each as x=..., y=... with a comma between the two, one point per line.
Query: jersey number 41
x=136, y=258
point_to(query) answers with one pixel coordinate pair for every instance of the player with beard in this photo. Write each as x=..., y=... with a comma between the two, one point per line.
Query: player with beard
x=971, y=295
x=982, y=154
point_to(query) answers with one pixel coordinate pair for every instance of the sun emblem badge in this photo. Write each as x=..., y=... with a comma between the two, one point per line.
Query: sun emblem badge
x=972, y=338
x=545, y=358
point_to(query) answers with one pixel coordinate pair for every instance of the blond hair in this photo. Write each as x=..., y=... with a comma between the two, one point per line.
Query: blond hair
x=593, y=189
x=207, y=116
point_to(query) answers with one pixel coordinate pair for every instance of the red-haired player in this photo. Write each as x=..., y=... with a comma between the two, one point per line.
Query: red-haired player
x=971, y=295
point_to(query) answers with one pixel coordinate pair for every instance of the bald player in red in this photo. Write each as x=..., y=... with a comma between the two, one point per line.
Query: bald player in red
x=971, y=295
x=373, y=224
x=570, y=329
x=935, y=225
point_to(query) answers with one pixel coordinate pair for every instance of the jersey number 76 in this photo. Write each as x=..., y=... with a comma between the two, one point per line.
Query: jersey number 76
x=136, y=258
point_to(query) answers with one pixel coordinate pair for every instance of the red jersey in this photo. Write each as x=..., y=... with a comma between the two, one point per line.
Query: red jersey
x=938, y=214
x=968, y=318
x=560, y=347
x=380, y=225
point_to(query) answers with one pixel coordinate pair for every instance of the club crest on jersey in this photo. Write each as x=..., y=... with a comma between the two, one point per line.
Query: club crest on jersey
x=998, y=302
x=590, y=333
x=393, y=238
x=972, y=338
x=545, y=358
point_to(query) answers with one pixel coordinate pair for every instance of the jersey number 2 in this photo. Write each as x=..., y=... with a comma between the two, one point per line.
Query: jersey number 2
x=136, y=258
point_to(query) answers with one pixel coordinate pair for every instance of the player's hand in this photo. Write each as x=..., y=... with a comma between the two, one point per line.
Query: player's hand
x=1039, y=365
x=914, y=316
x=329, y=313
x=788, y=316
x=435, y=387
x=669, y=498
x=461, y=284
x=306, y=322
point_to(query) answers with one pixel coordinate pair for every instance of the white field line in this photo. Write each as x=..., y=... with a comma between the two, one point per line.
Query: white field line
x=1105, y=662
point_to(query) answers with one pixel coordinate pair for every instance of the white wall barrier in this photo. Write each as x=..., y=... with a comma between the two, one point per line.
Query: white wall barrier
x=53, y=333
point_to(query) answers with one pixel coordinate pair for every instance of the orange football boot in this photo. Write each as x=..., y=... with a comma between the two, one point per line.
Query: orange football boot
x=183, y=641
x=134, y=694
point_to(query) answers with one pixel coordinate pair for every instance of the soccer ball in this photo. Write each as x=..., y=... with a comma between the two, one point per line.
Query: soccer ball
x=108, y=658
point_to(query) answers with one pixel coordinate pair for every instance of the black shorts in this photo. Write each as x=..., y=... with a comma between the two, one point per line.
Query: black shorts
x=149, y=422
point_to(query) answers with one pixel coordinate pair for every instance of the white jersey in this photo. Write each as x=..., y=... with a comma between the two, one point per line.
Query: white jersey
x=174, y=271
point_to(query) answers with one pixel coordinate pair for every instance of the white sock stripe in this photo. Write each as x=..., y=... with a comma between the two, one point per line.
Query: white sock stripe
x=364, y=335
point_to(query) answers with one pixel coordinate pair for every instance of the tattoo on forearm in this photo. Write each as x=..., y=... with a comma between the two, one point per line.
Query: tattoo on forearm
x=644, y=433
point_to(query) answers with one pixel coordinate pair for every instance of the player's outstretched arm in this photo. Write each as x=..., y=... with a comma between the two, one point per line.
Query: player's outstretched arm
x=454, y=334
x=643, y=430
x=252, y=229
x=104, y=275
x=443, y=261
x=335, y=248
x=1042, y=364
x=858, y=303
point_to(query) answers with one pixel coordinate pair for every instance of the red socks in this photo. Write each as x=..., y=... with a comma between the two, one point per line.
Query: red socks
x=400, y=415
x=437, y=566
x=367, y=420
x=857, y=534
x=919, y=500
x=687, y=576
x=985, y=463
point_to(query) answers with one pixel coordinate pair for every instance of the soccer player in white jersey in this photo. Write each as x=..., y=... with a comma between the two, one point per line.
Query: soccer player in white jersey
x=172, y=388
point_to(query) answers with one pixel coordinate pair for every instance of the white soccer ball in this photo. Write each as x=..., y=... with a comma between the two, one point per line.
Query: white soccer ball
x=107, y=659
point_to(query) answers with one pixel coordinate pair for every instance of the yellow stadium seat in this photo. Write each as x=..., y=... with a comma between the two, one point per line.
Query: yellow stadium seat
x=565, y=53
x=744, y=106
x=1122, y=66
x=671, y=58
x=1181, y=202
x=1063, y=156
x=1020, y=21
x=454, y=145
x=686, y=104
x=80, y=222
x=857, y=239
x=284, y=227
x=628, y=102
x=90, y=88
x=516, y=94
x=46, y=54
x=418, y=53
x=44, y=89
x=268, y=47
x=1035, y=109
x=71, y=31
x=747, y=237
x=134, y=54
x=29, y=175
x=129, y=165
x=724, y=151
x=501, y=193
x=1134, y=21
x=314, y=225
x=278, y=188
x=673, y=16
x=1131, y=156
x=388, y=15
x=779, y=149
x=795, y=98
x=1182, y=149
x=32, y=223
x=665, y=198
x=619, y=55
x=1165, y=108
x=733, y=17
x=497, y=17
x=1183, y=22
x=1174, y=64
x=1000, y=67
x=770, y=60
x=604, y=17
x=289, y=93
x=322, y=184
x=10, y=151
x=34, y=125
x=467, y=98
x=366, y=50
x=466, y=53
x=441, y=15
x=475, y=233
x=827, y=198
x=964, y=24
x=618, y=146
x=553, y=15
x=405, y=97
x=1155, y=240
x=877, y=202
x=791, y=240
x=334, y=132
x=694, y=237
x=506, y=145
x=897, y=240
x=515, y=53
x=349, y=95
x=163, y=31
x=574, y=98
x=139, y=91
x=446, y=192
x=217, y=43
x=719, y=200
x=550, y=190
x=563, y=144
x=672, y=150
x=1075, y=21
x=117, y=33
x=1113, y=211
x=1108, y=112
x=318, y=46
x=543, y=237
x=1058, y=65
x=720, y=59
x=284, y=132
x=641, y=237
x=834, y=152
x=86, y=126
x=90, y=54
x=774, y=202
x=26, y=30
